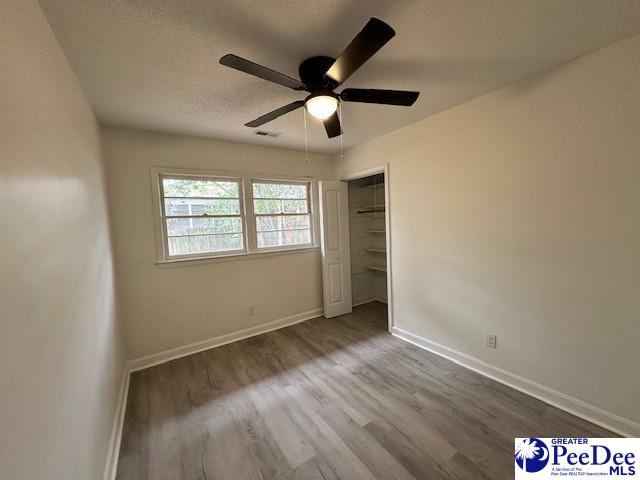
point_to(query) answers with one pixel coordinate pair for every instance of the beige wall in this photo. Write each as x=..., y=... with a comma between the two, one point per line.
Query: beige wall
x=61, y=361
x=167, y=307
x=518, y=213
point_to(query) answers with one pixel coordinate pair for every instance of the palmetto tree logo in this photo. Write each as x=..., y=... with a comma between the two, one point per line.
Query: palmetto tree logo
x=532, y=454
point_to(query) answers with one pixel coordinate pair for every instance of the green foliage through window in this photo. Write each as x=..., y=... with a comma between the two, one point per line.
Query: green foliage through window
x=174, y=187
x=202, y=216
x=205, y=216
x=282, y=214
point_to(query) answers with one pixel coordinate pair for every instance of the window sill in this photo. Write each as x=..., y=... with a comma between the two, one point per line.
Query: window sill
x=183, y=262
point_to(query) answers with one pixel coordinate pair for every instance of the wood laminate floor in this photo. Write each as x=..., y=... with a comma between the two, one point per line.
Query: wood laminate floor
x=327, y=399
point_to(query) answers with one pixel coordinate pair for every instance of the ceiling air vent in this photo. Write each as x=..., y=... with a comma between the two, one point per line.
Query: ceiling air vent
x=264, y=133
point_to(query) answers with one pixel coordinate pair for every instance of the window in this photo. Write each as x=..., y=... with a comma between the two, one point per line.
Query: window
x=202, y=215
x=282, y=213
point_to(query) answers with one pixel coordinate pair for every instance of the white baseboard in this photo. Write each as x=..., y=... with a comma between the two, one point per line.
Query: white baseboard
x=572, y=405
x=168, y=355
x=575, y=406
x=118, y=423
x=362, y=300
x=380, y=298
x=368, y=299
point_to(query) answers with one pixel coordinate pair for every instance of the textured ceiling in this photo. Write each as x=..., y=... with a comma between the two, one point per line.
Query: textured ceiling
x=153, y=64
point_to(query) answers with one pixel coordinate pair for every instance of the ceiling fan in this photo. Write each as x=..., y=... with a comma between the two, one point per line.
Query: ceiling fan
x=321, y=75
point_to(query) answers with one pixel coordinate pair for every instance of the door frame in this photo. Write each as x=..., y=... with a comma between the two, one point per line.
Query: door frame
x=387, y=226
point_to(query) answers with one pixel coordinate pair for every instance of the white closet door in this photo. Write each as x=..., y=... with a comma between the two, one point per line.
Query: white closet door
x=336, y=258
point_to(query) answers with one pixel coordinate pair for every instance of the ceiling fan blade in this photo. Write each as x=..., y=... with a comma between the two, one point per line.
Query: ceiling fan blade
x=371, y=38
x=332, y=126
x=275, y=114
x=265, y=73
x=386, y=97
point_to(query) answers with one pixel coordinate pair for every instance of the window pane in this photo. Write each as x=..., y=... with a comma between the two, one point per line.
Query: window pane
x=199, y=226
x=204, y=244
x=200, y=188
x=282, y=238
x=262, y=206
x=279, y=190
x=195, y=206
x=288, y=222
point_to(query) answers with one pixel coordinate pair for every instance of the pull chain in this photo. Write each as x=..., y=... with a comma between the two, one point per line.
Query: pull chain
x=306, y=142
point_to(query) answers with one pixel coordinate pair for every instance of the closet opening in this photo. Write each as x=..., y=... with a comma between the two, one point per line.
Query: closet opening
x=368, y=234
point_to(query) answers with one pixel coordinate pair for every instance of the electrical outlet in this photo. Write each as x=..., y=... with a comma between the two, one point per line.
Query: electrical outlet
x=491, y=340
x=250, y=310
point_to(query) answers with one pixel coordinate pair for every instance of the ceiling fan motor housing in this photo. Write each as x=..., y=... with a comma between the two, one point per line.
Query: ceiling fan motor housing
x=312, y=73
x=321, y=75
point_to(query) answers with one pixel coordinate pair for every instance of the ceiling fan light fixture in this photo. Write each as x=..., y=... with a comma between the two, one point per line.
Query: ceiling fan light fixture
x=321, y=75
x=321, y=106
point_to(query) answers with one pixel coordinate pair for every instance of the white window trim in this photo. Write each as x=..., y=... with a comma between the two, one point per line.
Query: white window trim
x=251, y=212
x=247, y=214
